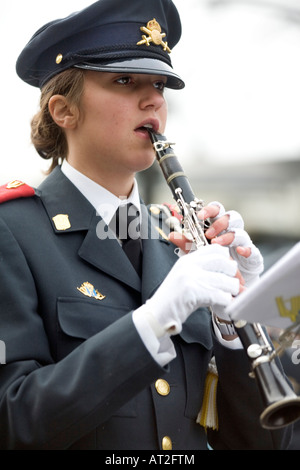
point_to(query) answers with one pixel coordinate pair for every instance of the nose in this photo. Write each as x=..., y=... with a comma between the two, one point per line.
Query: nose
x=152, y=97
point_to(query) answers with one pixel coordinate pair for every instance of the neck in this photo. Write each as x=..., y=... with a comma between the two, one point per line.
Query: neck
x=118, y=184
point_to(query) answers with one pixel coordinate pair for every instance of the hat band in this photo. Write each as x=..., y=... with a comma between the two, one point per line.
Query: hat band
x=121, y=51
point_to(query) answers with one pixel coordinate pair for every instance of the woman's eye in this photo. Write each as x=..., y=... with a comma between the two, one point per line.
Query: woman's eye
x=128, y=80
x=124, y=80
x=160, y=85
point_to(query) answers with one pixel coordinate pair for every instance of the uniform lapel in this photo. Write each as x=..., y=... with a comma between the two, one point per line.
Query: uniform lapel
x=61, y=197
x=105, y=253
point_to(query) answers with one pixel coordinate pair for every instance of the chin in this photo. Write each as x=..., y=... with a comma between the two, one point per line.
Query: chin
x=144, y=163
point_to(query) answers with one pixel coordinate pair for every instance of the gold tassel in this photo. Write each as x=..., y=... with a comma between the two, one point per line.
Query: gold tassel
x=208, y=415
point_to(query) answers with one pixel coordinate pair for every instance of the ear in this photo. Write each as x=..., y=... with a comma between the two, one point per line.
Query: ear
x=64, y=114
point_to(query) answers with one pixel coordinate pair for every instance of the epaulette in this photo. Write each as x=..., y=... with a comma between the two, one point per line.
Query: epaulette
x=169, y=214
x=169, y=210
x=174, y=210
x=14, y=190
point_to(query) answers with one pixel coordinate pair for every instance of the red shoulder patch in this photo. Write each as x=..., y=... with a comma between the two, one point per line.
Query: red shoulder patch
x=14, y=190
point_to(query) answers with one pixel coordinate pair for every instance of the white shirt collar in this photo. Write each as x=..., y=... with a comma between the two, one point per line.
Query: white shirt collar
x=103, y=201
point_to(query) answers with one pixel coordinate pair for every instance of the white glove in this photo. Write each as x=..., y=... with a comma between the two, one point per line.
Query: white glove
x=200, y=279
x=252, y=266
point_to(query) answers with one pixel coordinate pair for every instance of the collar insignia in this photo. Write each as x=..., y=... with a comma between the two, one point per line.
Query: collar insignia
x=61, y=222
x=155, y=35
x=89, y=290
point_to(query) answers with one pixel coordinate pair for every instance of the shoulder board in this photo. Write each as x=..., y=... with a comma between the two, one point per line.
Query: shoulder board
x=174, y=210
x=14, y=190
x=169, y=215
x=165, y=209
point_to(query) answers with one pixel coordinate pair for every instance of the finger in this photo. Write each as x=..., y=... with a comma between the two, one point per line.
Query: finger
x=221, y=282
x=235, y=220
x=212, y=210
x=216, y=263
x=243, y=251
x=217, y=227
x=250, y=261
x=224, y=240
x=221, y=210
x=235, y=238
x=242, y=289
x=240, y=278
x=241, y=238
x=230, y=222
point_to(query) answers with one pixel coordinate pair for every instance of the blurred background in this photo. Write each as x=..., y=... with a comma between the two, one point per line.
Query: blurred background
x=236, y=124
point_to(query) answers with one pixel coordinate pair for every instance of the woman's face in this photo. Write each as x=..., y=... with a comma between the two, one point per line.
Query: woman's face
x=110, y=134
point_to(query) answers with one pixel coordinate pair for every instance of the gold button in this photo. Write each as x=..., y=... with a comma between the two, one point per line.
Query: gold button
x=59, y=58
x=162, y=387
x=166, y=443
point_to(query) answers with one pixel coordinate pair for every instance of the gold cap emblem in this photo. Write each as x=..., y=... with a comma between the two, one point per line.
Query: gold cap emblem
x=61, y=222
x=155, y=35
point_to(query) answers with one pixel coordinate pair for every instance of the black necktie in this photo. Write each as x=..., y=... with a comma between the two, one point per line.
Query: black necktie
x=128, y=231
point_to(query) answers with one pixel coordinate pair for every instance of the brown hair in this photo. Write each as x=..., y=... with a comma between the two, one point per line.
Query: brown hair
x=47, y=137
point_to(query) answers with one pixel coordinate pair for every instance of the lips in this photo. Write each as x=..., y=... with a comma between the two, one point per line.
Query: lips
x=148, y=124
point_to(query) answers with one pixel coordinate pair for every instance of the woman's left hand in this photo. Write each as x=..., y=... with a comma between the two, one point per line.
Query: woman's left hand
x=227, y=229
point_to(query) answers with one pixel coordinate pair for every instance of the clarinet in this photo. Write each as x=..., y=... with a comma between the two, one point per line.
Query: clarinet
x=281, y=404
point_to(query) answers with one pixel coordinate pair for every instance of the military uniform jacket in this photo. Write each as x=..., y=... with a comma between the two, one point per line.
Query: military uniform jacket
x=77, y=375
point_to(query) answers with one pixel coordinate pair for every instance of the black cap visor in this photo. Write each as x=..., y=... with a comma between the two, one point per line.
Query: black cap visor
x=138, y=65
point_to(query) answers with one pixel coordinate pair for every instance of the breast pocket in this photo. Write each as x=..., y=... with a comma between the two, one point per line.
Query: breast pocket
x=78, y=320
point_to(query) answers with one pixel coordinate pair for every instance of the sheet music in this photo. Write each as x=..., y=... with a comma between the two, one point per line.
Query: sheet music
x=273, y=300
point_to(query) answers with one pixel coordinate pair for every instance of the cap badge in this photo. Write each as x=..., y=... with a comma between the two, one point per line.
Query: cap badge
x=89, y=290
x=155, y=35
x=61, y=222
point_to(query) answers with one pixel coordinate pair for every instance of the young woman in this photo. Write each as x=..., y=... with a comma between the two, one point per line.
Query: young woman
x=98, y=355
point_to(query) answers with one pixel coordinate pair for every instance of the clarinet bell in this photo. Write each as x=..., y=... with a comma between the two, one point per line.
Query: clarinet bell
x=282, y=405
